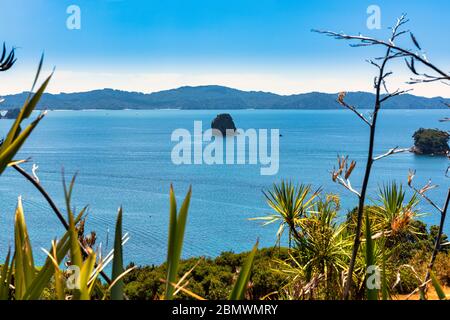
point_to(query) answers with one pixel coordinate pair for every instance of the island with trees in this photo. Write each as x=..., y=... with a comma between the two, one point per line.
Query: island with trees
x=431, y=142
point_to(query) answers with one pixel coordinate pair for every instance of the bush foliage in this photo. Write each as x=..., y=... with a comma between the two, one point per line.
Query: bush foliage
x=211, y=278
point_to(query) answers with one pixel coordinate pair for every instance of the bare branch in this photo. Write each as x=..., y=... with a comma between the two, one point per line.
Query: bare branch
x=423, y=190
x=391, y=152
x=414, y=40
x=394, y=94
x=428, y=80
x=347, y=184
x=341, y=101
x=368, y=41
x=431, y=202
x=34, y=172
x=373, y=63
x=343, y=173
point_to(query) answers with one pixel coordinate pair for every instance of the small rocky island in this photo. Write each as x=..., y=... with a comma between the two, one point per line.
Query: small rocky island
x=223, y=122
x=431, y=142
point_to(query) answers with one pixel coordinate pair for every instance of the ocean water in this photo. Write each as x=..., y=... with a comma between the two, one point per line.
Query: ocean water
x=123, y=158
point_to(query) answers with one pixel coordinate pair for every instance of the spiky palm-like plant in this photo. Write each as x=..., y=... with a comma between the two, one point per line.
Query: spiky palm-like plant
x=324, y=245
x=392, y=214
x=290, y=203
x=320, y=255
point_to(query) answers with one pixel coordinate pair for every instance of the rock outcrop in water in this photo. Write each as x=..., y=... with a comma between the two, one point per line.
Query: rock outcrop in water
x=223, y=122
x=431, y=141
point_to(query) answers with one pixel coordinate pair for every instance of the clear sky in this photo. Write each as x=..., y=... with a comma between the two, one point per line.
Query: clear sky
x=150, y=45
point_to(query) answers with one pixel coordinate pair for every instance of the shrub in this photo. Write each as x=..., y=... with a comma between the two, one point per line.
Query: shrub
x=408, y=282
x=442, y=268
x=211, y=278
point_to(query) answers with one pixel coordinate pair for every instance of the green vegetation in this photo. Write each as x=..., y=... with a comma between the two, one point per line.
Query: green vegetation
x=431, y=141
x=392, y=239
x=380, y=250
x=212, y=278
x=276, y=274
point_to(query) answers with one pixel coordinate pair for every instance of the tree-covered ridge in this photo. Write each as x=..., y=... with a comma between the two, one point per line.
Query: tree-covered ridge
x=215, y=97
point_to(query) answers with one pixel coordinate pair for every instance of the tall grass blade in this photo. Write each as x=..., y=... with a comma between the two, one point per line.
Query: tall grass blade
x=239, y=289
x=384, y=284
x=85, y=274
x=28, y=107
x=177, y=226
x=4, y=279
x=45, y=274
x=24, y=271
x=58, y=277
x=117, y=268
x=9, y=151
x=75, y=251
x=372, y=293
x=437, y=287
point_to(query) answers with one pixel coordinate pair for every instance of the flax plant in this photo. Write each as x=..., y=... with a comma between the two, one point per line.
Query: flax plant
x=391, y=216
x=290, y=203
x=321, y=245
x=177, y=226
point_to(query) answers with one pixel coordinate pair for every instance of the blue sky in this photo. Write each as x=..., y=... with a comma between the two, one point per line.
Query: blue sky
x=252, y=45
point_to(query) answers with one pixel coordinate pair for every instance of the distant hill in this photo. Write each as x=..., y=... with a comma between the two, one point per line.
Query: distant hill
x=215, y=97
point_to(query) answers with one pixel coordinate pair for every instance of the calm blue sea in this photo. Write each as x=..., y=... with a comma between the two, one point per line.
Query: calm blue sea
x=123, y=158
